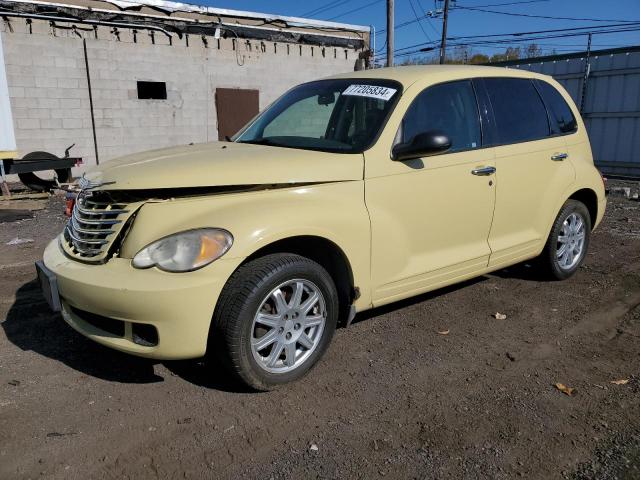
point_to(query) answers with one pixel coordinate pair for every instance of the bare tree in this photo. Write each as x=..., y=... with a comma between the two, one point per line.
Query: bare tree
x=533, y=51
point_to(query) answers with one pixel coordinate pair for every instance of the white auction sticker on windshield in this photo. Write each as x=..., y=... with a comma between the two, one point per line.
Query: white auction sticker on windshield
x=371, y=91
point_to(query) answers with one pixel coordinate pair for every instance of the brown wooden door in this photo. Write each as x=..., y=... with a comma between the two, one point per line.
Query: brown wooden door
x=235, y=108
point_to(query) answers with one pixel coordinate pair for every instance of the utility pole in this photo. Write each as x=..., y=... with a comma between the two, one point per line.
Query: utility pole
x=390, y=32
x=443, y=44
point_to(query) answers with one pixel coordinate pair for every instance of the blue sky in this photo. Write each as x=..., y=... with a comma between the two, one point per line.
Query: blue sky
x=466, y=22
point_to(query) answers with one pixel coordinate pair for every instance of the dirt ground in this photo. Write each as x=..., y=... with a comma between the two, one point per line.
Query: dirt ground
x=393, y=398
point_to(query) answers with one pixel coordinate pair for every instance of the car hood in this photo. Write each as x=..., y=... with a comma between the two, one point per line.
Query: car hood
x=222, y=164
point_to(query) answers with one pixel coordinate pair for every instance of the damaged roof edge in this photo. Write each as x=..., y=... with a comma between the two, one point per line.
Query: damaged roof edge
x=186, y=7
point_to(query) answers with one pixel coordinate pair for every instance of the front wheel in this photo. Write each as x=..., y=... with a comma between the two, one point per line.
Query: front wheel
x=275, y=319
x=568, y=241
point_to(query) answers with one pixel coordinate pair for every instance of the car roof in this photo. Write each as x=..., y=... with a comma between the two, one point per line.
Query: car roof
x=409, y=74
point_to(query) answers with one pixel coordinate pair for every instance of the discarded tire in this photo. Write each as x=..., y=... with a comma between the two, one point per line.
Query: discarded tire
x=34, y=182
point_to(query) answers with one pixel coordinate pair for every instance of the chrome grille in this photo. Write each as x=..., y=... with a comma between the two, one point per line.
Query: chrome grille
x=95, y=223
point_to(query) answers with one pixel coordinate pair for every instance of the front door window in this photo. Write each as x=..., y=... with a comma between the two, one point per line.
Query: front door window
x=448, y=107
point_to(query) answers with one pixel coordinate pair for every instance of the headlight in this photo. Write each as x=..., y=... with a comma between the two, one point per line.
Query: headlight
x=185, y=251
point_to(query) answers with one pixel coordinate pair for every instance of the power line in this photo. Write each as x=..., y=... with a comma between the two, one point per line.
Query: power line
x=355, y=9
x=534, y=32
x=472, y=44
x=494, y=47
x=405, y=24
x=325, y=7
x=528, y=15
x=523, y=37
x=409, y=22
x=418, y=20
x=426, y=17
x=311, y=12
x=539, y=44
x=508, y=3
x=534, y=39
x=478, y=41
x=422, y=9
x=495, y=40
x=582, y=30
x=600, y=45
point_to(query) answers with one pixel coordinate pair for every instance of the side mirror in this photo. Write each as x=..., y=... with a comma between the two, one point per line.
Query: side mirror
x=422, y=145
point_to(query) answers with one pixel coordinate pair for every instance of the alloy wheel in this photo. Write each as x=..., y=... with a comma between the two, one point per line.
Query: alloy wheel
x=288, y=326
x=570, y=245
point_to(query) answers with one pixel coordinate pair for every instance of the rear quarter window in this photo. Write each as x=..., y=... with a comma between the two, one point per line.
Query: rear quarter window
x=562, y=119
x=519, y=112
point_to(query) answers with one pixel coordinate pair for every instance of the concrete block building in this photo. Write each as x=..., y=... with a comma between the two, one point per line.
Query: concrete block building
x=116, y=77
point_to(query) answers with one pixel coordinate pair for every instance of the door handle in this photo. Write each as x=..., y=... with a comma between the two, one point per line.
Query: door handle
x=483, y=171
x=558, y=157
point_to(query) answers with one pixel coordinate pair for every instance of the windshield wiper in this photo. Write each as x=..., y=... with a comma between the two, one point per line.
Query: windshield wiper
x=259, y=141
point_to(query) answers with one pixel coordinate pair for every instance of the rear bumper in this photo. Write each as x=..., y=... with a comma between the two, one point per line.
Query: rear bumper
x=179, y=305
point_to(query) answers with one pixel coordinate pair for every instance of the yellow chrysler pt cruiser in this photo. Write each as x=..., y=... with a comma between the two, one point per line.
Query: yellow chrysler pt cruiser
x=345, y=194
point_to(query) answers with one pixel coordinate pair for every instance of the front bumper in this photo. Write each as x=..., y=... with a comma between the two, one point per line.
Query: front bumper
x=179, y=305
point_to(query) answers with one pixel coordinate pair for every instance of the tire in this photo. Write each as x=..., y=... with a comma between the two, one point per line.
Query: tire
x=34, y=182
x=554, y=263
x=250, y=290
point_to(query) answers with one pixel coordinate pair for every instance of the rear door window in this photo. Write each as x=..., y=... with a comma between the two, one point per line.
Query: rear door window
x=562, y=119
x=448, y=107
x=519, y=112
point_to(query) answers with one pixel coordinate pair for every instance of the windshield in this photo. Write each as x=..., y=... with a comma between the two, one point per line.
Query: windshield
x=343, y=116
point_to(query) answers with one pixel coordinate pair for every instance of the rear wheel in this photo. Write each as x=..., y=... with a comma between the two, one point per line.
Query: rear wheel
x=568, y=241
x=275, y=319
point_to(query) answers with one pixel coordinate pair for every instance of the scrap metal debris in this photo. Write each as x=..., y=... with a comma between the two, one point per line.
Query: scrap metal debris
x=622, y=381
x=564, y=389
x=19, y=241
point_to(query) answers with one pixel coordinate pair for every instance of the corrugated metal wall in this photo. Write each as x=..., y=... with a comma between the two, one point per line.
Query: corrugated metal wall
x=611, y=105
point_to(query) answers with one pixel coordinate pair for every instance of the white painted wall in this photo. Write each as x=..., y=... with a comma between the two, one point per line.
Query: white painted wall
x=7, y=138
x=48, y=85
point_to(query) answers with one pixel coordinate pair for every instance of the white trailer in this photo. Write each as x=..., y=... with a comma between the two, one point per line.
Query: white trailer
x=32, y=162
x=7, y=136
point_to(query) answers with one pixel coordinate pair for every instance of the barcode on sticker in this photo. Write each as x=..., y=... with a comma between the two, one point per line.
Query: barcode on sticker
x=371, y=91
